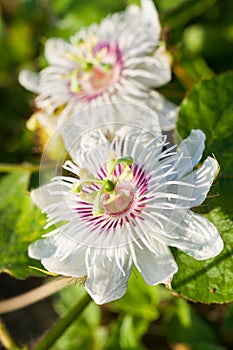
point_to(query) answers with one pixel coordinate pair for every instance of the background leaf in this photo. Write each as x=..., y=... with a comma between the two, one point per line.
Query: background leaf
x=184, y=326
x=208, y=281
x=20, y=224
x=209, y=107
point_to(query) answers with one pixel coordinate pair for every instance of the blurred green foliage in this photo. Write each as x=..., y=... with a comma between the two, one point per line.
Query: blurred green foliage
x=170, y=323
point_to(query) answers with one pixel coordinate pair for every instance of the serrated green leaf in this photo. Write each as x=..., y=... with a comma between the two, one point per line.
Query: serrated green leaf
x=209, y=107
x=208, y=281
x=20, y=224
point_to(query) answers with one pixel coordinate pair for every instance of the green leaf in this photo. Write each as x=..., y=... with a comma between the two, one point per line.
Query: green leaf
x=208, y=281
x=209, y=107
x=20, y=224
x=184, y=11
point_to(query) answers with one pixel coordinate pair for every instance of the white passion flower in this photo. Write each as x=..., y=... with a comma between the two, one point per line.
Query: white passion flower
x=121, y=59
x=128, y=202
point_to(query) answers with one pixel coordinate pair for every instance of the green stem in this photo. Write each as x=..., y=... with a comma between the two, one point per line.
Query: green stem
x=5, y=338
x=9, y=168
x=62, y=324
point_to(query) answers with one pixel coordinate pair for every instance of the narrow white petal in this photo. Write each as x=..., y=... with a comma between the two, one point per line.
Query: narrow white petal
x=191, y=149
x=73, y=265
x=48, y=121
x=56, y=51
x=167, y=111
x=153, y=71
x=202, y=180
x=189, y=153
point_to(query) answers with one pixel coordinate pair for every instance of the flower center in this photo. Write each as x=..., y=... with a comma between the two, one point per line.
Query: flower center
x=119, y=202
x=99, y=66
x=114, y=195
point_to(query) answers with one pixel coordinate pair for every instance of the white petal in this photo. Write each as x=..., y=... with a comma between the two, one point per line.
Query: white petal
x=56, y=51
x=157, y=266
x=51, y=193
x=192, y=147
x=153, y=71
x=73, y=265
x=167, y=111
x=189, y=153
x=48, y=121
x=150, y=15
x=105, y=280
x=42, y=248
x=202, y=180
x=194, y=235
x=109, y=118
x=58, y=258
x=29, y=80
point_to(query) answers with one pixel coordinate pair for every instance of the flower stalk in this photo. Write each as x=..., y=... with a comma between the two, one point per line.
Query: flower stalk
x=6, y=339
x=63, y=323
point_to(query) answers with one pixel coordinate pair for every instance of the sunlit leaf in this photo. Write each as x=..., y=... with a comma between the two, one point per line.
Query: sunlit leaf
x=209, y=107
x=208, y=281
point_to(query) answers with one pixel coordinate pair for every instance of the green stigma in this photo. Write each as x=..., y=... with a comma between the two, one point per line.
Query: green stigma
x=107, y=185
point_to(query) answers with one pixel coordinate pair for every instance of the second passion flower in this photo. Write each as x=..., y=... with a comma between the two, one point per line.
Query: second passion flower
x=121, y=59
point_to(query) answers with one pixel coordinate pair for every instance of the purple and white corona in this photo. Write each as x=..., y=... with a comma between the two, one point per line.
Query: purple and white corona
x=124, y=204
x=123, y=59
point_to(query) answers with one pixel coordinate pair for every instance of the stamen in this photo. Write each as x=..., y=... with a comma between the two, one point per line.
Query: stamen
x=98, y=67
